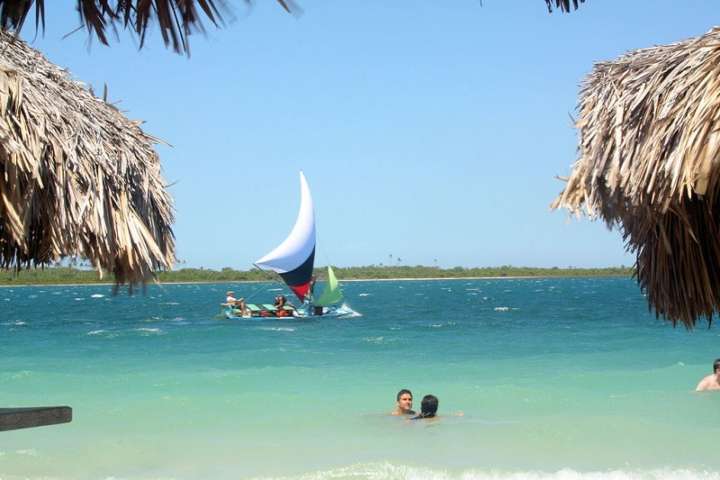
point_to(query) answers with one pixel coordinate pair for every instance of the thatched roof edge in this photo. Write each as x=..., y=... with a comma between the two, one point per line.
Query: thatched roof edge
x=77, y=178
x=649, y=163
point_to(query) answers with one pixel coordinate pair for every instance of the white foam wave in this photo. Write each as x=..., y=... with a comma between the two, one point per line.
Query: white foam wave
x=95, y=332
x=441, y=325
x=375, y=340
x=345, y=311
x=277, y=329
x=79, y=299
x=147, y=331
x=502, y=309
x=31, y=452
x=363, y=294
x=387, y=471
x=97, y=295
x=275, y=290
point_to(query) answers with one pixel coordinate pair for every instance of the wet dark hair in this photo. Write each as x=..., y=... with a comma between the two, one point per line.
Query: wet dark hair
x=716, y=365
x=401, y=393
x=428, y=407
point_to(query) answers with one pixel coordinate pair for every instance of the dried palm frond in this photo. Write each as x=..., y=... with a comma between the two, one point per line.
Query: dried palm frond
x=563, y=5
x=77, y=178
x=649, y=158
x=177, y=19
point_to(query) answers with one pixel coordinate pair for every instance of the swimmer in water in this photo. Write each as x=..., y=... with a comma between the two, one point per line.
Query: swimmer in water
x=711, y=382
x=428, y=407
x=404, y=399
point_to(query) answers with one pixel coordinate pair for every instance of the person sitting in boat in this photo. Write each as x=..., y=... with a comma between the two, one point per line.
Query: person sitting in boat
x=242, y=306
x=280, y=303
x=236, y=303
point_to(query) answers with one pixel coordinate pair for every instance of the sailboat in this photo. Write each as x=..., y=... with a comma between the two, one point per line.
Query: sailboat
x=294, y=260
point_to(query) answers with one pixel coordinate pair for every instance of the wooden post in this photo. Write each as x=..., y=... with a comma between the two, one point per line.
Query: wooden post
x=15, y=418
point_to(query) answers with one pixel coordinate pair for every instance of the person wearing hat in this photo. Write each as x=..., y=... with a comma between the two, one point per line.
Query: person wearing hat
x=239, y=304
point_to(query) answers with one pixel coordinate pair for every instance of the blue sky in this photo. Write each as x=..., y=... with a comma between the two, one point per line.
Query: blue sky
x=428, y=130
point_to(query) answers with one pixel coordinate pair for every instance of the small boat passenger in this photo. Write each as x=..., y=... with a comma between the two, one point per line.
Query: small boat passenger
x=242, y=306
x=238, y=304
x=280, y=303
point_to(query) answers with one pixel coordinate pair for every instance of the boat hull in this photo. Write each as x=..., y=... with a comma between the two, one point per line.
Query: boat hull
x=302, y=312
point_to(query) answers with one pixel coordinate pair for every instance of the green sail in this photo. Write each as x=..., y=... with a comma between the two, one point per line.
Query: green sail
x=332, y=293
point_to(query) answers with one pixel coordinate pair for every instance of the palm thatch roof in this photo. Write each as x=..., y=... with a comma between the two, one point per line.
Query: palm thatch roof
x=649, y=163
x=177, y=19
x=77, y=178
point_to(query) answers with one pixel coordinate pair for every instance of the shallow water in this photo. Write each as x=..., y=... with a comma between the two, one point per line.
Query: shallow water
x=561, y=378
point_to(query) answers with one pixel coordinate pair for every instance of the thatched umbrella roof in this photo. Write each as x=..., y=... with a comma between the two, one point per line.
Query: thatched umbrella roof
x=649, y=163
x=76, y=176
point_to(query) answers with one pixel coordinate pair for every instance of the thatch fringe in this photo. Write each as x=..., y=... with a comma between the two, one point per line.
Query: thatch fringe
x=77, y=178
x=649, y=158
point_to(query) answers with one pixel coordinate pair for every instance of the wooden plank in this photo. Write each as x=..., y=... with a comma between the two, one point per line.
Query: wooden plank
x=15, y=418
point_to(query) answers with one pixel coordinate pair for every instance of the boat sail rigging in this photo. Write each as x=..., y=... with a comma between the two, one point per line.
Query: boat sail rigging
x=332, y=293
x=294, y=258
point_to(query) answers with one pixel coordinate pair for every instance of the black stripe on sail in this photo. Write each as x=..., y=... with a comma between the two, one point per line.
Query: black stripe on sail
x=302, y=274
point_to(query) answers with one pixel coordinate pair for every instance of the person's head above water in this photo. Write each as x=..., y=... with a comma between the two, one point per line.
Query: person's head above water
x=428, y=407
x=404, y=400
x=716, y=365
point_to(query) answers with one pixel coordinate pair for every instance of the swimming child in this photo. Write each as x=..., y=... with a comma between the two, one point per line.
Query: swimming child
x=428, y=407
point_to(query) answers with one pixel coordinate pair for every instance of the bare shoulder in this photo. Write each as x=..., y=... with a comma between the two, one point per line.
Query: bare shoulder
x=706, y=383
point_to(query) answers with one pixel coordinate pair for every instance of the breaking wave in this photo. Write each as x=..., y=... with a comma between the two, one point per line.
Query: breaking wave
x=388, y=471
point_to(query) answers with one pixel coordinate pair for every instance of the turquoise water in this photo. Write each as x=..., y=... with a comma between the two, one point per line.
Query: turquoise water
x=561, y=378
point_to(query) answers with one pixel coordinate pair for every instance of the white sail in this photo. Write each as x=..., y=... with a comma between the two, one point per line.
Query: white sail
x=299, y=245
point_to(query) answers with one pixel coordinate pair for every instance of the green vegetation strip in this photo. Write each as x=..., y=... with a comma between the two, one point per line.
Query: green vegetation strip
x=68, y=275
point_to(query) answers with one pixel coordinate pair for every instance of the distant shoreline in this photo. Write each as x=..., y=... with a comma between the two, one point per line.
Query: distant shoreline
x=225, y=282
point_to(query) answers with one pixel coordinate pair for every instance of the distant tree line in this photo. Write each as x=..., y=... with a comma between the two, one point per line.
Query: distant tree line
x=66, y=275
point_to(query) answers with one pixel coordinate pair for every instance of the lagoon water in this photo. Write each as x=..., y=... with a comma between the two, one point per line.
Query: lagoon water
x=557, y=378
